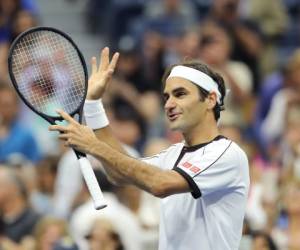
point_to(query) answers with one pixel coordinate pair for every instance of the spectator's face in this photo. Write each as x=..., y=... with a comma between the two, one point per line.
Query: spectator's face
x=294, y=78
x=292, y=136
x=127, y=131
x=9, y=6
x=24, y=21
x=172, y=5
x=7, y=188
x=51, y=235
x=226, y=10
x=189, y=45
x=183, y=106
x=100, y=237
x=152, y=45
x=215, y=47
x=45, y=179
x=291, y=197
x=260, y=243
x=8, y=106
x=128, y=65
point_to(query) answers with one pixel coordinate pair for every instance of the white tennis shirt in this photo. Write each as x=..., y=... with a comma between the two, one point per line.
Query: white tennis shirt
x=211, y=216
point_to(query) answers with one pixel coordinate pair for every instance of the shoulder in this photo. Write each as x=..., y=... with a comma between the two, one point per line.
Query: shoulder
x=170, y=150
x=226, y=151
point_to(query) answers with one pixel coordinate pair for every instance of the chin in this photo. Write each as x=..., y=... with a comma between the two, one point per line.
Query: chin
x=175, y=127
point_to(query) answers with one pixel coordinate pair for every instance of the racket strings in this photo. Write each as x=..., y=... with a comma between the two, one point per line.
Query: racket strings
x=49, y=72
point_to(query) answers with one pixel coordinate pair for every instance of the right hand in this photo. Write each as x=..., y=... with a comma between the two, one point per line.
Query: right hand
x=101, y=76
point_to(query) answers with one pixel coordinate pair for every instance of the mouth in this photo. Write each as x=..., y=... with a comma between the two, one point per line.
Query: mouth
x=173, y=117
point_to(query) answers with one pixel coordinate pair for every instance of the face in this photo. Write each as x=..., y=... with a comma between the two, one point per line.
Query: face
x=294, y=78
x=215, y=49
x=183, y=105
x=8, y=106
x=101, y=236
x=292, y=194
x=52, y=233
x=260, y=243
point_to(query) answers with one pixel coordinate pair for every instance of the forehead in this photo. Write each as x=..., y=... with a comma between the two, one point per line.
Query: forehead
x=173, y=83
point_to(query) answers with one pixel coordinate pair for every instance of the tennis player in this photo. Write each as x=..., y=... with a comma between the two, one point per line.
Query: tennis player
x=203, y=181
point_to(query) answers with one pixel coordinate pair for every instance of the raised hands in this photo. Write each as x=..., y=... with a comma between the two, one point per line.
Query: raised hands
x=100, y=76
x=75, y=135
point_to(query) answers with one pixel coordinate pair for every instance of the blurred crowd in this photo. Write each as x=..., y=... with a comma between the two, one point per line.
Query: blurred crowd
x=253, y=44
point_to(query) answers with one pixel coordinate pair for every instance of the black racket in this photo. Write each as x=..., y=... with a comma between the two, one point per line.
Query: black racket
x=49, y=72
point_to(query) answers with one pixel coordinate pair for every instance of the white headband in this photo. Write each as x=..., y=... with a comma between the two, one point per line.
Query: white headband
x=201, y=79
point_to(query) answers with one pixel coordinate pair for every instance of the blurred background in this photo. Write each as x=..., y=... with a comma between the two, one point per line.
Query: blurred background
x=253, y=44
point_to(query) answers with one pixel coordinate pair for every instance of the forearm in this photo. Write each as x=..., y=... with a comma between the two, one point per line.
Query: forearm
x=97, y=120
x=105, y=135
x=147, y=177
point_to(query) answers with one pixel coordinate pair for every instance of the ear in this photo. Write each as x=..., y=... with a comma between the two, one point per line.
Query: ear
x=211, y=100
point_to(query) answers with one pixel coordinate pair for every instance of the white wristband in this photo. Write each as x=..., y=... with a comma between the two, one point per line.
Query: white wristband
x=94, y=113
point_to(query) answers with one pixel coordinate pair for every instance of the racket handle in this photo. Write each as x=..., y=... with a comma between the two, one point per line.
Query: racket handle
x=92, y=183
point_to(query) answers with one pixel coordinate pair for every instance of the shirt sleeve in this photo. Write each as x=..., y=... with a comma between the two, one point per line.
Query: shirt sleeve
x=155, y=160
x=218, y=169
x=159, y=159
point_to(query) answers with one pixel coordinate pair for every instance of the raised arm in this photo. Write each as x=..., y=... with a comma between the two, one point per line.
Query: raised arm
x=98, y=83
x=124, y=168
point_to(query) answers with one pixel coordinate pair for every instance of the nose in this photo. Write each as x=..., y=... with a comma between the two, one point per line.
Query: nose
x=170, y=103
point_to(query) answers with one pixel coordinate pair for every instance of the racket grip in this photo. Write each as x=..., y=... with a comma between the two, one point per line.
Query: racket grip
x=92, y=183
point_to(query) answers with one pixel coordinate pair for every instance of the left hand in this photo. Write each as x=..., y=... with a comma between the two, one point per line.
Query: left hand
x=101, y=75
x=75, y=135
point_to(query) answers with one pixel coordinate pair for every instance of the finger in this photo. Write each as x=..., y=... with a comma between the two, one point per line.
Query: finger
x=63, y=137
x=94, y=64
x=104, y=59
x=66, y=116
x=114, y=61
x=58, y=128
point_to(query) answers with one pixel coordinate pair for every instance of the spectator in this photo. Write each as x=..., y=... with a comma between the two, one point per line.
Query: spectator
x=272, y=18
x=245, y=35
x=52, y=234
x=17, y=218
x=15, y=17
x=290, y=144
x=272, y=126
x=122, y=218
x=103, y=236
x=286, y=233
x=15, y=138
x=42, y=197
x=215, y=49
x=262, y=241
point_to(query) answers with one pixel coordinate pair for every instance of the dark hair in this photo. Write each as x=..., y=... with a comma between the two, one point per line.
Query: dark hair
x=203, y=93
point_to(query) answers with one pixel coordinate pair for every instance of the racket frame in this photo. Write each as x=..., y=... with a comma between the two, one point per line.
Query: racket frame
x=50, y=119
x=85, y=166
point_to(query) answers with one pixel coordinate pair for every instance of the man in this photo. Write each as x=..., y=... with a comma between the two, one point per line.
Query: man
x=15, y=138
x=17, y=219
x=203, y=181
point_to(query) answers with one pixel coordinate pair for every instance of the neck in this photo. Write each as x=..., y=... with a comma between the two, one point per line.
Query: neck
x=202, y=133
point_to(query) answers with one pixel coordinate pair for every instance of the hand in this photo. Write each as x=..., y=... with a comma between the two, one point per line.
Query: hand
x=101, y=76
x=75, y=135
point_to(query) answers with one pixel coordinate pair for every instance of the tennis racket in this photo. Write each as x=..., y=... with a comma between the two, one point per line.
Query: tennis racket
x=49, y=73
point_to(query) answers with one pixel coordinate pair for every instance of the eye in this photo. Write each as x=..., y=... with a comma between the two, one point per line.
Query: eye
x=180, y=94
x=165, y=98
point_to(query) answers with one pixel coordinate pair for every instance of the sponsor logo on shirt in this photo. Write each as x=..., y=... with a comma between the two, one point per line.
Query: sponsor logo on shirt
x=191, y=167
